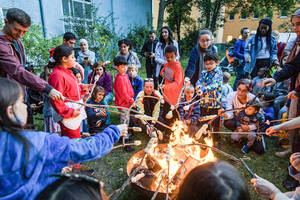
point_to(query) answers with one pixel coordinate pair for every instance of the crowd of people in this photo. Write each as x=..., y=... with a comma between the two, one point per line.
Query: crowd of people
x=77, y=91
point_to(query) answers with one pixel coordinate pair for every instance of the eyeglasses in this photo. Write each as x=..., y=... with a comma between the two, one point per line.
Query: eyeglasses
x=205, y=41
x=148, y=80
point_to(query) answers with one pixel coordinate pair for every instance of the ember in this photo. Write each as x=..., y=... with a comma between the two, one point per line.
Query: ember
x=182, y=158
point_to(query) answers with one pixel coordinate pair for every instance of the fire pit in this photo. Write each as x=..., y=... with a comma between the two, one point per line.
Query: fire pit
x=177, y=154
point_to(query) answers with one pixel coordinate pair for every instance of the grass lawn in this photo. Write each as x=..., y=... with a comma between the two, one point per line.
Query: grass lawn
x=111, y=169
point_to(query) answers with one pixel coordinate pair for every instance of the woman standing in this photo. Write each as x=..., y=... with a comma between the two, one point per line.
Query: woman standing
x=165, y=39
x=261, y=49
x=125, y=51
x=196, y=62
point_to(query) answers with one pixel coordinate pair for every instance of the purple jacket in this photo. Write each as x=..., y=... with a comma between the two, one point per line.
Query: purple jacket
x=104, y=81
x=11, y=66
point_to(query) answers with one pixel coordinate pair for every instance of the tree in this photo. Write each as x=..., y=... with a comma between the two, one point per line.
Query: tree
x=212, y=10
x=161, y=12
x=179, y=16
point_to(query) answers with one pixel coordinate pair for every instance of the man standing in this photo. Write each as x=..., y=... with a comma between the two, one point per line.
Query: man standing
x=148, y=51
x=12, y=56
x=238, y=53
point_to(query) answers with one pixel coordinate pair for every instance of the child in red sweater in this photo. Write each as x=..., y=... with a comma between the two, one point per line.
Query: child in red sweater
x=69, y=115
x=172, y=74
x=124, y=93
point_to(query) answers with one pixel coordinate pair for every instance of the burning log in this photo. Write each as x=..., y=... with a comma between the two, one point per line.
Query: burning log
x=190, y=163
x=152, y=164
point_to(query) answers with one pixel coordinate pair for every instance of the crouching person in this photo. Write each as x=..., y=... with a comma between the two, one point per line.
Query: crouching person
x=189, y=111
x=250, y=120
x=148, y=102
x=97, y=117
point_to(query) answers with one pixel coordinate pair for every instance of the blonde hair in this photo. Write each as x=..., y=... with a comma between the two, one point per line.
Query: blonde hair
x=132, y=66
x=190, y=87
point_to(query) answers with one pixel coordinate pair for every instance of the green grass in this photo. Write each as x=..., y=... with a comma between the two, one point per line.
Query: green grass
x=111, y=169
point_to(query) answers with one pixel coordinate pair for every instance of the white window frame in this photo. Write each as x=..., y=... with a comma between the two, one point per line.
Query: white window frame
x=71, y=18
x=282, y=16
x=243, y=19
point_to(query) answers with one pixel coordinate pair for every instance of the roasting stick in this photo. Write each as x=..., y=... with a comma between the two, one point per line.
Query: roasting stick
x=159, y=184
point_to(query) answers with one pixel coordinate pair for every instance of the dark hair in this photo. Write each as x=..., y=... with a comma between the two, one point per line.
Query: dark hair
x=96, y=90
x=265, y=70
x=246, y=82
x=19, y=16
x=75, y=71
x=120, y=60
x=254, y=103
x=244, y=28
x=161, y=39
x=72, y=186
x=171, y=49
x=69, y=36
x=268, y=22
x=211, y=56
x=10, y=91
x=60, y=52
x=213, y=180
x=151, y=32
x=125, y=41
x=98, y=64
x=284, y=55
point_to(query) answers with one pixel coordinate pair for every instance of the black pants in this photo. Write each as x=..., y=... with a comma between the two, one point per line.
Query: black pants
x=151, y=70
x=259, y=64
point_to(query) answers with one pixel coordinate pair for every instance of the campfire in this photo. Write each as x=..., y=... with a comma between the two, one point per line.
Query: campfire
x=165, y=165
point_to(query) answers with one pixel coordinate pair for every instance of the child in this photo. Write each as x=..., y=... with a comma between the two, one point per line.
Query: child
x=172, y=74
x=226, y=88
x=69, y=115
x=135, y=80
x=191, y=115
x=124, y=93
x=49, y=124
x=99, y=69
x=257, y=81
x=210, y=85
x=250, y=120
x=77, y=74
x=97, y=117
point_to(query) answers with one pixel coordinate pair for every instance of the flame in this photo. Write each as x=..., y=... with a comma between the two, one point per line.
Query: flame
x=178, y=150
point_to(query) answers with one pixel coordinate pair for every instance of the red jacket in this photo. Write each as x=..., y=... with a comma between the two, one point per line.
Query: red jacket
x=124, y=91
x=63, y=80
x=11, y=66
x=173, y=74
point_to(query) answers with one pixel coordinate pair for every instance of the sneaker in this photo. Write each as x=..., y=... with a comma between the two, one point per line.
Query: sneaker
x=245, y=149
x=129, y=148
x=290, y=183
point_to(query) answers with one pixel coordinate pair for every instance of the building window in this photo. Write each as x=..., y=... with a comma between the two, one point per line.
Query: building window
x=77, y=12
x=283, y=14
x=243, y=15
x=255, y=15
x=231, y=17
x=270, y=14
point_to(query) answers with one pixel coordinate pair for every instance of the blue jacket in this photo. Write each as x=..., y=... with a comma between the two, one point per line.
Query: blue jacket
x=192, y=70
x=96, y=123
x=193, y=113
x=48, y=154
x=251, y=52
x=137, y=85
x=238, y=50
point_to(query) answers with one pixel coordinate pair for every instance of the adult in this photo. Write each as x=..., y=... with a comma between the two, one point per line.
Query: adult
x=29, y=157
x=148, y=102
x=12, y=55
x=69, y=39
x=261, y=49
x=238, y=53
x=196, y=62
x=280, y=45
x=99, y=69
x=148, y=51
x=291, y=70
x=86, y=58
x=125, y=47
x=165, y=39
x=213, y=180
